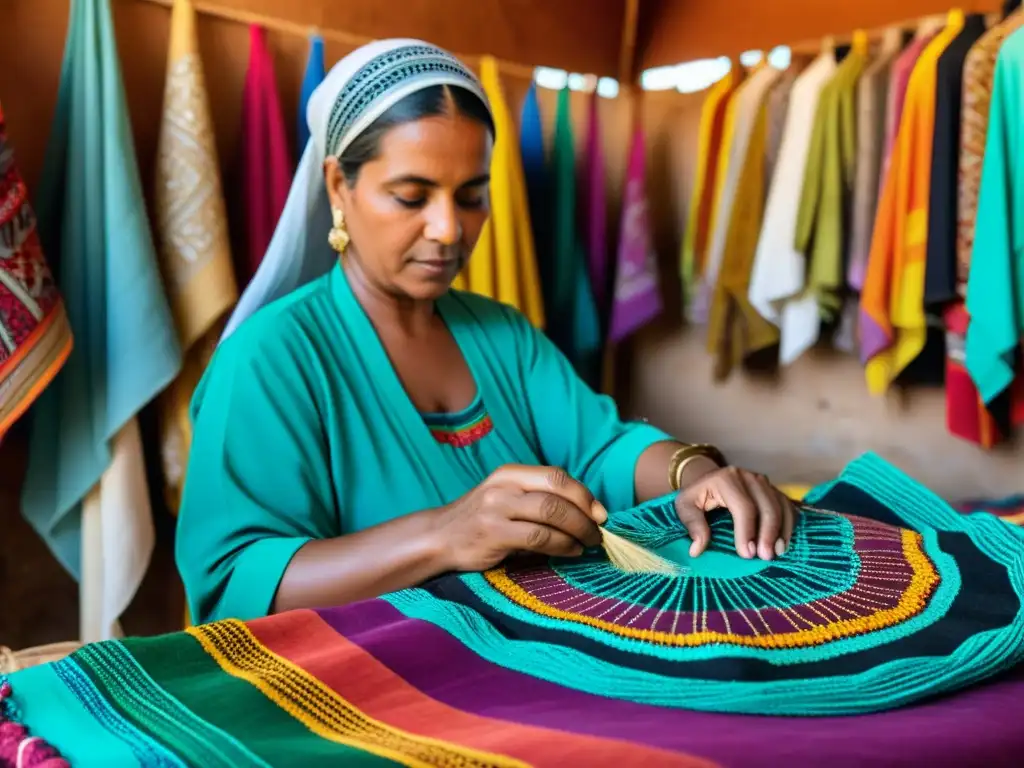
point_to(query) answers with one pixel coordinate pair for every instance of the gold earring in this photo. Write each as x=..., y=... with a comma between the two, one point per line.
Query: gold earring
x=338, y=236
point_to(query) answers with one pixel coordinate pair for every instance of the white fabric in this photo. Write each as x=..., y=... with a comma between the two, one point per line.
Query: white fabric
x=298, y=251
x=746, y=103
x=117, y=538
x=778, y=274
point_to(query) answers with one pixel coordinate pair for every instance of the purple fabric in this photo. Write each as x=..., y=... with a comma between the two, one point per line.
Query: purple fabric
x=637, y=298
x=874, y=339
x=595, y=209
x=975, y=727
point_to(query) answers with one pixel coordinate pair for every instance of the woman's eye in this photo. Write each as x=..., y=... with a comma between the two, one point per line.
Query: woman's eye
x=474, y=201
x=416, y=202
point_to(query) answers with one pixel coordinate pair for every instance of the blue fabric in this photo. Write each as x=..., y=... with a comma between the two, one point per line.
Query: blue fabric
x=93, y=218
x=315, y=74
x=531, y=148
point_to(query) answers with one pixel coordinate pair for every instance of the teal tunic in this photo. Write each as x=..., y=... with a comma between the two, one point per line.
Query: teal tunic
x=302, y=431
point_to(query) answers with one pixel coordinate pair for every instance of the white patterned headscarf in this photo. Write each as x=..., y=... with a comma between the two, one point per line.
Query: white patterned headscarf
x=357, y=90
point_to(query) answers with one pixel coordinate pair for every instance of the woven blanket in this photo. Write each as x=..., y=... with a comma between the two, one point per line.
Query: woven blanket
x=888, y=599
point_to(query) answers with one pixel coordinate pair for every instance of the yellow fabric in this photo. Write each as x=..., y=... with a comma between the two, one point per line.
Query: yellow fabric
x=735, y=328
x=900, y=239
x=722, y=171
x=795, y=492
x=504, y=265
x=709, y=146
x=192, y=231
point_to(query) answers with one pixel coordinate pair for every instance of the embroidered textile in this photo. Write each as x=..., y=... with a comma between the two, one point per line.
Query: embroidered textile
x=891, y=598
x=35, y=338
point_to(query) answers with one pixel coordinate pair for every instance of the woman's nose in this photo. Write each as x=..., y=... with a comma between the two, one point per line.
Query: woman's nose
x=443, y=223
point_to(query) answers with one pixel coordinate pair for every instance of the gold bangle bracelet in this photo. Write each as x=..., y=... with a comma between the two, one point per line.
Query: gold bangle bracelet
x=685, y=455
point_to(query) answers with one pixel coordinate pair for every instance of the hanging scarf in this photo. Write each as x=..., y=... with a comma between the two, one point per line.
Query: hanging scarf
x=573, y=323
x=85, y=491
x=35, y=338
x=313, y=77
x=390, y=70
x=192, y=231
x=503, y=265
x=267, y=166
x=637, y=298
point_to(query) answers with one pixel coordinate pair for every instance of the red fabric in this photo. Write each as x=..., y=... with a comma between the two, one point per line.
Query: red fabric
x=267, y=171
x=966, y=414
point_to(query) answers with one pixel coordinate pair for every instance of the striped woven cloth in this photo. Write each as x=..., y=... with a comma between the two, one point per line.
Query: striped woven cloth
x=473, y=670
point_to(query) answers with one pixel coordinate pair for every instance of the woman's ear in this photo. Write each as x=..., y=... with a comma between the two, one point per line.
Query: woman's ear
x=334, y=180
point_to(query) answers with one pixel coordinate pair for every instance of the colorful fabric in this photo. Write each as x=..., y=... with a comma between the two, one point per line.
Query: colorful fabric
x=538, y=189
x=267, y=164
x=503, y=265
x=979, y=71
x=637, y=298
x=192, y=236
x=86, y=489
x=265, y=395
x=893, y=326
x=311, y=78
x=995, y=288
x=35, y=338
x=890, y=599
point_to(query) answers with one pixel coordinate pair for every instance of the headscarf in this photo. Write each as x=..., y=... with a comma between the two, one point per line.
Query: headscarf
x=358, y=90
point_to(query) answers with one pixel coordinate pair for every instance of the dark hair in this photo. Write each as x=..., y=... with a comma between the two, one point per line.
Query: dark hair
x=427, y=102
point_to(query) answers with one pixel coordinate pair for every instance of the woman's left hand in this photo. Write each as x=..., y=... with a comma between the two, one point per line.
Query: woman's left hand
x=763, y=517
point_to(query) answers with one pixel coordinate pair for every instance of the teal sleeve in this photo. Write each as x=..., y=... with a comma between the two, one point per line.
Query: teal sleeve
x=578, y=429
x=995, y=288
x=258, y=485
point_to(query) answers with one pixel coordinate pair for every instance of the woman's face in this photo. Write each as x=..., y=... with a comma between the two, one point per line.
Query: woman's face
x=416, y=211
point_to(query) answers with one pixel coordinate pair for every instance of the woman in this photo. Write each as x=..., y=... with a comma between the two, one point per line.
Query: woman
x=372, y=428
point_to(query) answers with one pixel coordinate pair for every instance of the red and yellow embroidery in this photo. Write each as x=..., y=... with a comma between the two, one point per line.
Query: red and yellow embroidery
x=462, y=436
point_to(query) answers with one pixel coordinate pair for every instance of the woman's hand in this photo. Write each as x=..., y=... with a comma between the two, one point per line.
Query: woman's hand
x=519, y=509
x=763, y=517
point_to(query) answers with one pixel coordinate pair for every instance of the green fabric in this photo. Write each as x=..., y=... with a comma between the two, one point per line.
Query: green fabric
x=307, y=382
x=573, y=321
x=828, y=185
x=995, y=288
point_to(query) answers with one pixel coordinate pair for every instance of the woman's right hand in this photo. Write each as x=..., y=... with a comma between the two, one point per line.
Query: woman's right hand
x=519, y=509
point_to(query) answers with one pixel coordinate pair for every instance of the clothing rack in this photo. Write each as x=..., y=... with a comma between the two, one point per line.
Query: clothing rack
x=514, y=68
x=876, y=34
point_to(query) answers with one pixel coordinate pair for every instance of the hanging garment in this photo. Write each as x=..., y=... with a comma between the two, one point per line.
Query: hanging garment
x=313, y=76
x=775, y=116
x=893, y=328
x=85, y=489
x=898, y=82
x=967, y=416
x=735, y=329
x=192, y=236
x=741, y=117
x=710, y=145
x=637, y=298
x=941, y=261
x=979, y=72
x=594, y=218
x=35, y=338
x=573, y=322
x=503, y=265
x=535, y=171
x=267, y=167
x=777, y=275
x=872, y=96
x=823, y=212
x=995, y=288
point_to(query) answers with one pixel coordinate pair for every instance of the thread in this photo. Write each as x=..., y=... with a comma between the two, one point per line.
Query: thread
x=630, y=557
x=17, y=748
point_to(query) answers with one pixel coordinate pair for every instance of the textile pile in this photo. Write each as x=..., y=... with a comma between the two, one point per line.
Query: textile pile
x=888, y=601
